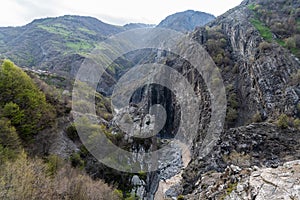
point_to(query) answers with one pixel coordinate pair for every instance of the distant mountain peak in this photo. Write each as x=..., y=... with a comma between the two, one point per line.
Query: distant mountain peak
x=138, y=25
x=187, y=20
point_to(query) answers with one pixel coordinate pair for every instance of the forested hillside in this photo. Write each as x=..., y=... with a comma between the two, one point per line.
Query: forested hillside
x=24, y=114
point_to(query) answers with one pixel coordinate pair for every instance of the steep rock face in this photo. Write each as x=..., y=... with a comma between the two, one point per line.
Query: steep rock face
x=263, y=145
x=186, y=21
x=263, y=78
x=264, y=73
x=152, y=94
x=260, y=73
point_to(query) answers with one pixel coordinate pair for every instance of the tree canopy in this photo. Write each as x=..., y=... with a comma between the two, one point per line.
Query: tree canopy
x=22, y=102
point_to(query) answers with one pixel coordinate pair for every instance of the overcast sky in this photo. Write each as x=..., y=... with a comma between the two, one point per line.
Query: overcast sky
x=118, y=12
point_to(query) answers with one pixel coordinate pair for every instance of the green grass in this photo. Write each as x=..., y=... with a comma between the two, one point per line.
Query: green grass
x=56, y=29
x=79, y=45
x=295, y=51
x=264, y=31
x=87, y=31
x=281, y=42
x=231, y=188
x=251, y=6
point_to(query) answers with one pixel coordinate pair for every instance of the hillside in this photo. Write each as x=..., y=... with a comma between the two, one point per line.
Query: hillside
x=255, y=47
x=54, y=44
x=28, y=122
x=61, y=44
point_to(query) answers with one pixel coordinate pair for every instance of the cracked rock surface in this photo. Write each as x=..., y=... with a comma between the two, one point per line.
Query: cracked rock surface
x=256, y=183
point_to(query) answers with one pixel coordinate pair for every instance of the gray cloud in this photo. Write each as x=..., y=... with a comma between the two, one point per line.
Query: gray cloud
x=21, y=12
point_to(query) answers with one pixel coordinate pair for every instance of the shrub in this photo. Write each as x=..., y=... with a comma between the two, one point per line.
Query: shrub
x=8, y=135
x=290, y=43
x=132, y=197
x=70, y=183
x=6, y=154
x=24, y=179
x=232, y=115
x=231, y=187
x=27, y=178
x=283, y=121
x=54, y=163
x=72, y=133
x=263, y=46
x=13, y=112
x=257, y=117
x=232, y=101
x=295, y=78
x=142, y=175
x=76, y=160
x=297, y=124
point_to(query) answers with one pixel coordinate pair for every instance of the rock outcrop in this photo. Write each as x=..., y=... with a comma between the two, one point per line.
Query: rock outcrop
x=251, y=183
x=263, y=145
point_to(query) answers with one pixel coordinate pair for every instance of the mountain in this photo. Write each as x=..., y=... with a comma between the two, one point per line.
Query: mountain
x=54, y=44
x=256, y=49
x=186, y=21
x=60, y=44
x=138, y=25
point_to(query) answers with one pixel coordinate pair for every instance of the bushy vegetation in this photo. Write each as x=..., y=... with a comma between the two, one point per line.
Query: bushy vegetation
x=216, y=45
x=257, y=117
x=279, y=19
x=295, y=77
x=297, y=124
x=232, y=105
x=9, y=141
x=24, y=112
x=283, y=121
x=22, y=102
x=264, y=46
x=27, y=178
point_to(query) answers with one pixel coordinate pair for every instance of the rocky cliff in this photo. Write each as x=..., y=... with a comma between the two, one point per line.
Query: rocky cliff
x=258, y=57
x=261, y=86
x=260, y=70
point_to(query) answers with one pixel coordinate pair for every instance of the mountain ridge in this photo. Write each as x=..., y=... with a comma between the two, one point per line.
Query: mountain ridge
x=57, y=44
x=186, y=21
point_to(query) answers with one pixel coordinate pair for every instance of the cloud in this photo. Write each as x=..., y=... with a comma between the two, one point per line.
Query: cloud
x=20, y=12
